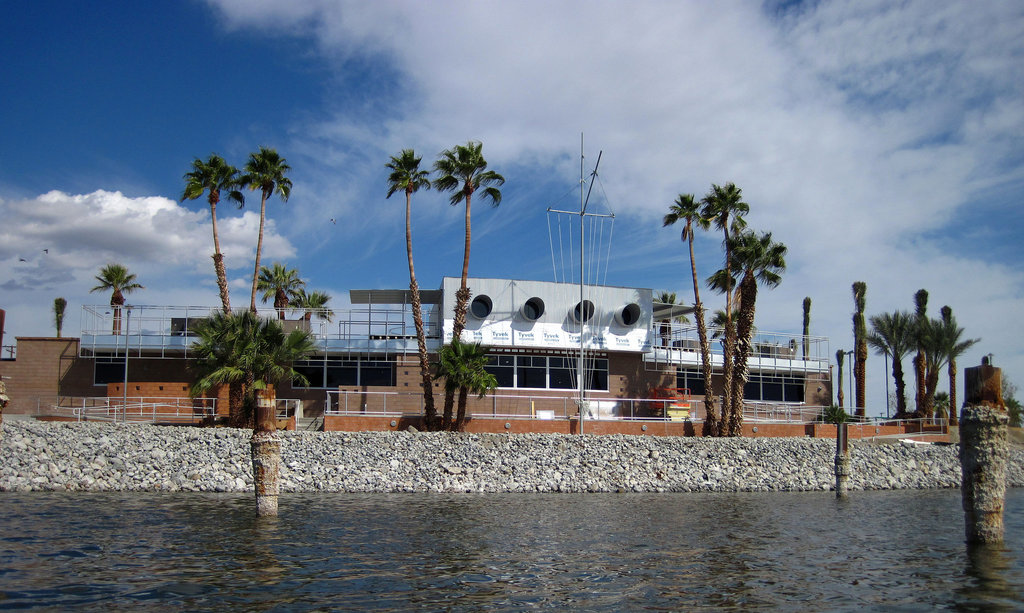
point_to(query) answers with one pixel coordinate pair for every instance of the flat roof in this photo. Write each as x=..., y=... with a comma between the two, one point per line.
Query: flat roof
x=393, y=296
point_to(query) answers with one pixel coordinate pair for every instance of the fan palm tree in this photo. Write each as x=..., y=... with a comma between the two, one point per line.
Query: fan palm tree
x=264, y=171
x=59, y=305
x=953, y=347
x=463, y=368
x=860, y=346
x=213, y=177
x=685, y=208
x=892, y=334
x=280, y=283
x=462, y=170
x=758, y=260
x=407, y=177
x=117, y=279
x=724, y=207
x=248, y=349
x=313, y=302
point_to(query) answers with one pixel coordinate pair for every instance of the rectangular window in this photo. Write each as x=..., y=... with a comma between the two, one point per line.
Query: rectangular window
x=342, y=373
x=503, y=367
x=376, y=373
x=546, y=372
x=691, y=379
x=560, y=373
x=531, y=371
x=108, y=369
x=313, y=372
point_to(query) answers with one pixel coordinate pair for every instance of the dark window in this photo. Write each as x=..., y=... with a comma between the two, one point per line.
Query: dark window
x=597, y=374
x=560, y=373
x=108, y=371
x=531, y=371
x=692, y=380
x=312, y=371
x=503, y=367
x=795, y=391
x=343, y=373
x=376, y=373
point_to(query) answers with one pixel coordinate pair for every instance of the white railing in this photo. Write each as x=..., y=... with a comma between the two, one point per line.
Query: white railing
x=366, y=403
x=137, y=410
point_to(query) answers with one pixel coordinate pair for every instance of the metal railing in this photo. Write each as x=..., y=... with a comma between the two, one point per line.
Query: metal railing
x=366, y=403
x=137, y=410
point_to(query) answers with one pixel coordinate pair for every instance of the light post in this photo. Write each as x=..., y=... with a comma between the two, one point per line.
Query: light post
x=124, y=388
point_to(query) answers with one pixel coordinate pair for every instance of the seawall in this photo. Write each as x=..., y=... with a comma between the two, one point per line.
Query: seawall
x=125, y=457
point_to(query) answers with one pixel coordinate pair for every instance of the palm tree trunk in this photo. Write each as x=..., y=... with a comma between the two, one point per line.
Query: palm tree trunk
x=236, y=399
x=461, y=304
x=426, y=382
x=259, y=250
x=460, y=420
x=931, y=384
x=860, y=368
x=729, y=406
x=901, y=388
x=744, y=332
x=953, y=419
x=919, y=373
x=218, y=258
x=711, y=421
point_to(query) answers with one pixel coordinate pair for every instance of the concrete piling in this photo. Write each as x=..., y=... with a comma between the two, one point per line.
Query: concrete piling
x=842, y=462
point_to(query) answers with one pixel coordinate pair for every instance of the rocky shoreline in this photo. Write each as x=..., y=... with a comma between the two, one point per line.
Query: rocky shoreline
x=41, y=456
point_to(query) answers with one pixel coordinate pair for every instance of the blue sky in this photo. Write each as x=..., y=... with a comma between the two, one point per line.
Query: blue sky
x=881, y=142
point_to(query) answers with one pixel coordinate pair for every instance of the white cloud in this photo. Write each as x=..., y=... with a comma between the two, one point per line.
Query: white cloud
x=54, y=244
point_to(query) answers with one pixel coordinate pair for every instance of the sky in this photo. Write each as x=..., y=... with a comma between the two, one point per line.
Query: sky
x=881, y=142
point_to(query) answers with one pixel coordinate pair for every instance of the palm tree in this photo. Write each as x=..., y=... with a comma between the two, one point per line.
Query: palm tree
x=953, y=347
x=59, y=305
x=759, y=260
x=463, y=170
x=214, y=176
x=117, y=279
x=463, y=368
x=920, y=321
x=840, y=357
x=892, y=334
x=407, y=177
x=248, y=349
x=283, y=284
x=686, y=209
x=807, y=325
x=723, y=206
x=313, y=302
x=264, y=171
x=860, y=346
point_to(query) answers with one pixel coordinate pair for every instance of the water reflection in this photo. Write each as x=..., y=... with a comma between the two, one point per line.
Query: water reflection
x=511, y=552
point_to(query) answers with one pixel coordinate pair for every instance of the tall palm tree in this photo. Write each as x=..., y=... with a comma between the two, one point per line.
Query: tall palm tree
x=117, y=279
x=892, y=334
x=920, y=363
x=213, y=177
x=840, y=357
x=807, y=326
x=462, y=170
x=685, y=208
x=280, y=283
x=264, y=171
x=724, y=207
x=463, y=368
x=953, y=348
x=313, y=302
x=406, y=176
x=759, y=260
x=243, y=347
x=59, y=305
x=860, y=346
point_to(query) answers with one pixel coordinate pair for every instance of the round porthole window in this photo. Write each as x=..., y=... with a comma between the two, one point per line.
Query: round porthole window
x=481, y=306
x=532, y=309
x=583, y=311
x=629, y=314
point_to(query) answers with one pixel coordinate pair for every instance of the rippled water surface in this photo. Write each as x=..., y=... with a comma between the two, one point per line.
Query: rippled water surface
x=793, y=551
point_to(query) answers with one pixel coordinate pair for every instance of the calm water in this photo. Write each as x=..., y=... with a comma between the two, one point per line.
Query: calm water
x=791, y=551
